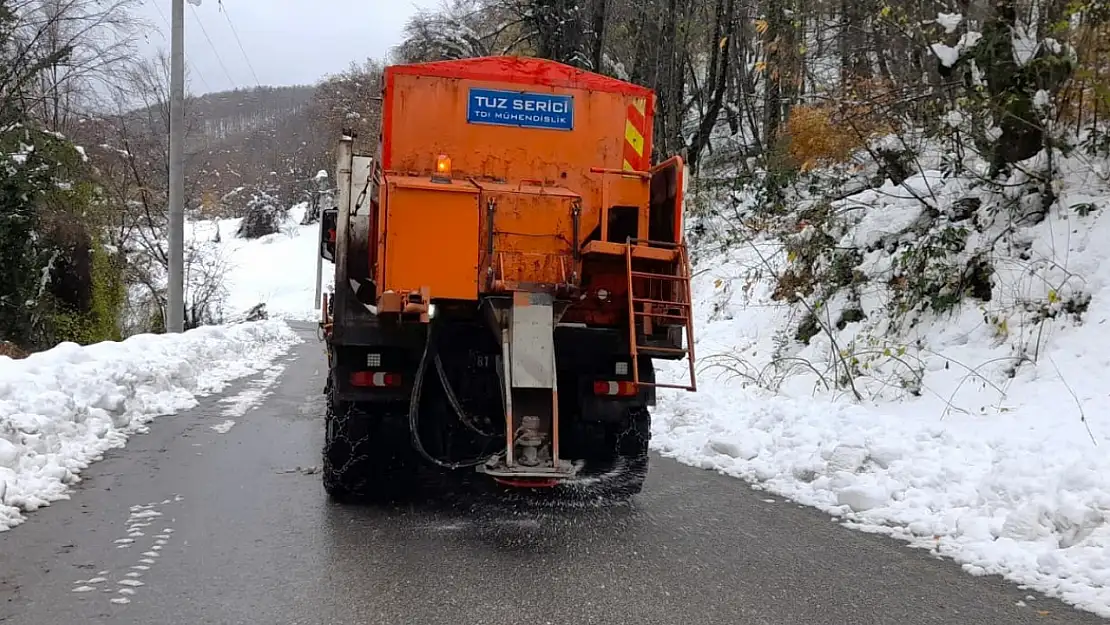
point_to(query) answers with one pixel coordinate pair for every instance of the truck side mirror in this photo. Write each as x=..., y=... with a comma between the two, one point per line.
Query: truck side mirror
x=329, y=220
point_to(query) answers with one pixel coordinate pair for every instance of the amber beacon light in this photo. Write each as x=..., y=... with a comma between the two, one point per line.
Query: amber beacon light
x=443, y=169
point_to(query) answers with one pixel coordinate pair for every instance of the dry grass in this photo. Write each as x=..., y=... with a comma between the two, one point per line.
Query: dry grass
x=1086, y=96
x=11, y=351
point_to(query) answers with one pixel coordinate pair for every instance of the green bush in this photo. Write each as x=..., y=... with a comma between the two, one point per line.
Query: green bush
x=58, y=282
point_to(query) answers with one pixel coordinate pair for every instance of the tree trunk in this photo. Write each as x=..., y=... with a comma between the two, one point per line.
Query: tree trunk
x=774, y=70
x=601, y=12
x=723, y=31
x=671, y=87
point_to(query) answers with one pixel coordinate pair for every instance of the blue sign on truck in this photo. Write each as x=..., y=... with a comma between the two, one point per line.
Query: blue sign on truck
x=526, y=110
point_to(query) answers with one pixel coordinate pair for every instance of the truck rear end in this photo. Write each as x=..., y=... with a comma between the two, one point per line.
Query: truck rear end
x=509, y=266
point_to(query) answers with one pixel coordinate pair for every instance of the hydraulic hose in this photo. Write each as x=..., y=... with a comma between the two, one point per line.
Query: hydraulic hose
x=414, y=407
x=453, y=399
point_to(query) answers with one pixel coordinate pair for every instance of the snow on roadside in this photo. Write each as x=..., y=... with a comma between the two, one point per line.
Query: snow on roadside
x=1005, y=474
x=60, y=410
x=250, y=397
x=1022, y=503
x=242, y=402
x=223, y=428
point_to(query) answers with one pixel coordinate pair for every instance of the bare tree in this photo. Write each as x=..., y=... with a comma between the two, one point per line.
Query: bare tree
x=461, y=29
x=350, y=100
x=133, y=156
x=85, y=47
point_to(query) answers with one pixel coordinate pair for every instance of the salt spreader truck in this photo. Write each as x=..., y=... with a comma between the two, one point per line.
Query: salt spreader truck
x=508, y=268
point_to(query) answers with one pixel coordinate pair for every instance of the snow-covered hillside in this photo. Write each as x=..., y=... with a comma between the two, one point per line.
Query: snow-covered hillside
x=278, y=270
x=981, y=431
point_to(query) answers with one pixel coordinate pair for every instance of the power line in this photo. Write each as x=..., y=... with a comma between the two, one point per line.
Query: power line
x=192, y=68
x=246, y=58
x=213, y=46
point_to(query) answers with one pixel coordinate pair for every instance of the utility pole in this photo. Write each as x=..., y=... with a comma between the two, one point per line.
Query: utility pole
x=175, y=313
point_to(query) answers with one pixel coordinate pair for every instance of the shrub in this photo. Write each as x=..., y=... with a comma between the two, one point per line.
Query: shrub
x=832, y=131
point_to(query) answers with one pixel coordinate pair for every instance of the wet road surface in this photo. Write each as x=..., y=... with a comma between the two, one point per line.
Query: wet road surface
x=235, y=528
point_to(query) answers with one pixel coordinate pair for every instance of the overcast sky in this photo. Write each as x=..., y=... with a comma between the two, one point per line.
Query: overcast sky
x=287, y=41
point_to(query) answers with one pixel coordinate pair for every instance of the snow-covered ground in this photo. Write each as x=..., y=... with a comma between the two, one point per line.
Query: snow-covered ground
x=278, y=270
x=1006, y=473
x=62, y=409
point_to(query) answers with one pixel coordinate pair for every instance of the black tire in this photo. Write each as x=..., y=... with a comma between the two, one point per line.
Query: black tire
x=366, y=452
x=624, y=469
x=633, y=453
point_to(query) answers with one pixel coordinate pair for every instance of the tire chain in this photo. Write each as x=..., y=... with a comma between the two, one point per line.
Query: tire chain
x=639, y=431
x=338, y=432
x=636, y=417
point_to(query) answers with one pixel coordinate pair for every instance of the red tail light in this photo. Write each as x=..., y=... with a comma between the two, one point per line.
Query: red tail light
x=376, y=379
x=615, y=389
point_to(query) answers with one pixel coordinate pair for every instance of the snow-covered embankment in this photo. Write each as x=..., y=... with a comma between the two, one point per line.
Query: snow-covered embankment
x=983, y=432
x=62, y=409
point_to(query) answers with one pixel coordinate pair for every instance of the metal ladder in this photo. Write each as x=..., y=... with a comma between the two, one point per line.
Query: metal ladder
x=642, y=311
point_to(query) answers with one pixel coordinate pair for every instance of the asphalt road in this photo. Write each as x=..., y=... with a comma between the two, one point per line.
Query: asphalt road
x=233, y=532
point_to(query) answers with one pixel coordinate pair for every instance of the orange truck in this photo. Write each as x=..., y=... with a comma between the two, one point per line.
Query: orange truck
x=508, y=267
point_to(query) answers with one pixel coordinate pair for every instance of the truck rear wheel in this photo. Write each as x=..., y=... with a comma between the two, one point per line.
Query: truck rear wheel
x=632, y=453
x=366, y=451
x=633, y=448
x=617, y=463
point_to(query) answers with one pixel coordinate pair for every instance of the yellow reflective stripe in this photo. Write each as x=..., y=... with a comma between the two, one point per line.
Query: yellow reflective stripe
x=634, y=138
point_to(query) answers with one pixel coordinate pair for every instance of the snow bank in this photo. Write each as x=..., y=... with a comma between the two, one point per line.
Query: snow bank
x=1000, y=463
x=62, y=409
x=1016, y=497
